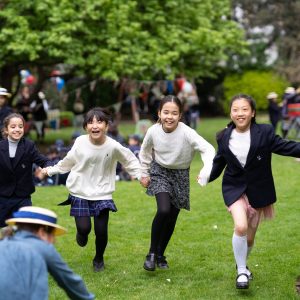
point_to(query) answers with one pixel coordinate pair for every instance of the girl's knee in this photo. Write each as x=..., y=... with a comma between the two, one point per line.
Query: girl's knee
x=84, y=230
x=163, y=213
x=240, y=229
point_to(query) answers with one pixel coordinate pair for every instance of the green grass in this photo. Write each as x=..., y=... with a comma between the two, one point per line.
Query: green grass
x=199, y=253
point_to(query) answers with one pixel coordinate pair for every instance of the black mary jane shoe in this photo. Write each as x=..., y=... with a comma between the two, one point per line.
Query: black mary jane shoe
x=250, y=275
x=150, y=262
x=162, y=262
x=98, y=266
x=242, y=285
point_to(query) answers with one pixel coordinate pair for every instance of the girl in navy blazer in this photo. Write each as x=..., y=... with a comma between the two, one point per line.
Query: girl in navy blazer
x=17, y=156
x=245, y=149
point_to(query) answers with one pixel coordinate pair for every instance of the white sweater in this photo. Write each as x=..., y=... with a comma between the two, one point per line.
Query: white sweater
x=93, y=167
x=175, y=150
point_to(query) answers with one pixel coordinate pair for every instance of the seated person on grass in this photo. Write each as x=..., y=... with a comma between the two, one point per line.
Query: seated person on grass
x=27, y=255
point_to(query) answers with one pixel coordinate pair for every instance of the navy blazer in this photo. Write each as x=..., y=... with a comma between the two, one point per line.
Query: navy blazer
x=16, y=179
x=255, y=179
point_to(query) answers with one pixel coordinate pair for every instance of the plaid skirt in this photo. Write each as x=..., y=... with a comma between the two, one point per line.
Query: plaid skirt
x=89, y=208
x=176, y=182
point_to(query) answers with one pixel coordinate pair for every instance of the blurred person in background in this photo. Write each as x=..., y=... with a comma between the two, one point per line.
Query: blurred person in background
x=39, y=109
x=5, y=109
x=274, y=109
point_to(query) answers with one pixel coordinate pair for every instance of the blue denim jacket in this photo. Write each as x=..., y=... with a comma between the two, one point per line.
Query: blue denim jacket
x=24, y=260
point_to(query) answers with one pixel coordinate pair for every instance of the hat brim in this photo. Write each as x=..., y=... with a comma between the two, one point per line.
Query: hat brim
x=58, y=230
x=6, y=94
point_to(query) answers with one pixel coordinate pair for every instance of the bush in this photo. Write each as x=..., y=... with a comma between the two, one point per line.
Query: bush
x=66, y=118
x=254, y=83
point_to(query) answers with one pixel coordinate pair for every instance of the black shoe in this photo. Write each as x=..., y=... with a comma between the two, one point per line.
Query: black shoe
x=98, y=266
x=161, y=262
x=81, y=239
x=150, y=261
x=298, y=285
x=250, y=275
x=242, y=285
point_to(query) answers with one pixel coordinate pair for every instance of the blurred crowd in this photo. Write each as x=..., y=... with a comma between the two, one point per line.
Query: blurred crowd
x=144, y=98
x=33, y=108
x=286, y=111
x=55, y=153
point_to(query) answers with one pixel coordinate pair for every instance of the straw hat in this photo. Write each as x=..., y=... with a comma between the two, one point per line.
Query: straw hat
x=290, y=90
x=4, y=92
x=36, y=215
x=272, y=95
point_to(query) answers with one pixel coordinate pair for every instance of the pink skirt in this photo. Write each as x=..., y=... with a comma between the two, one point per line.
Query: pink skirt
x=254, y=215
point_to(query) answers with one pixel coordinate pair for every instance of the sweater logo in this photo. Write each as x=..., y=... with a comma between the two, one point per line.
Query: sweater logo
x=258, y=157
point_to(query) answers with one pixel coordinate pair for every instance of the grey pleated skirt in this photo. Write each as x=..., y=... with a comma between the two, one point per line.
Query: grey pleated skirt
x=176, y=182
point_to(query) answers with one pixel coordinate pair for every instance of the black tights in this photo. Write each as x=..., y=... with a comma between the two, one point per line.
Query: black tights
x=163, y=223
x=84, y=226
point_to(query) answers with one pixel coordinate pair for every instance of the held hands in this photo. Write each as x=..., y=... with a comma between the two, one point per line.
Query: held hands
x=202, y=180
x=45, y=171
x=145, y=181
x=204, y=175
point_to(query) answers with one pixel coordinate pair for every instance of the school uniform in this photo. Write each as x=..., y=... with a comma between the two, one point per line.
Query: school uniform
x=255, y=179
x=166, y=158
x=91, y=181
x=16, y=179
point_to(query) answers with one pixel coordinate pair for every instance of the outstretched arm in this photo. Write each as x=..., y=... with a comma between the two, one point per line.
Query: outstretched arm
x=129, y=161
x=65, y=277
x=207, y=152
x=219, y=164
x=284, y=147
x=63, y=166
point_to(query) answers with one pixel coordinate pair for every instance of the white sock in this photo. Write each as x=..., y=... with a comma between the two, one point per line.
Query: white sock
x=239, y=245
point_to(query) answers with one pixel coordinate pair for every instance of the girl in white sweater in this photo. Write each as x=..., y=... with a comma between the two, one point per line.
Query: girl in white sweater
x=166, y=154
x=92, y=165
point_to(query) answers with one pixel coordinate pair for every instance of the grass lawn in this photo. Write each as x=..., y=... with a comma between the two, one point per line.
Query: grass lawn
x=199, y=254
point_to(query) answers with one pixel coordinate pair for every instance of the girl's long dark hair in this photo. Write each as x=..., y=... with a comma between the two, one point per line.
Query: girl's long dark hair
x=252, y=104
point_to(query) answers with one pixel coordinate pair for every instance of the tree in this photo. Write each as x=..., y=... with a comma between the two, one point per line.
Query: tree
x=278, y=21
x=258, y=84
x=118, y=38
x=143, y=38
x=36, y=35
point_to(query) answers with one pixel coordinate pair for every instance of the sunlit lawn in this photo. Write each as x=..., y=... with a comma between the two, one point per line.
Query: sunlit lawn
x=199, y=253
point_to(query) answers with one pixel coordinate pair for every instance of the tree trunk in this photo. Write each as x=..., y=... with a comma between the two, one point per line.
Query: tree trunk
x=7, y=73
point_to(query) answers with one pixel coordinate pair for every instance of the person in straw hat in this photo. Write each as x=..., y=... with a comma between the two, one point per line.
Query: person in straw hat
x=27, y=254
x=5, y=109
x=274, y=109
x=286, y=120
